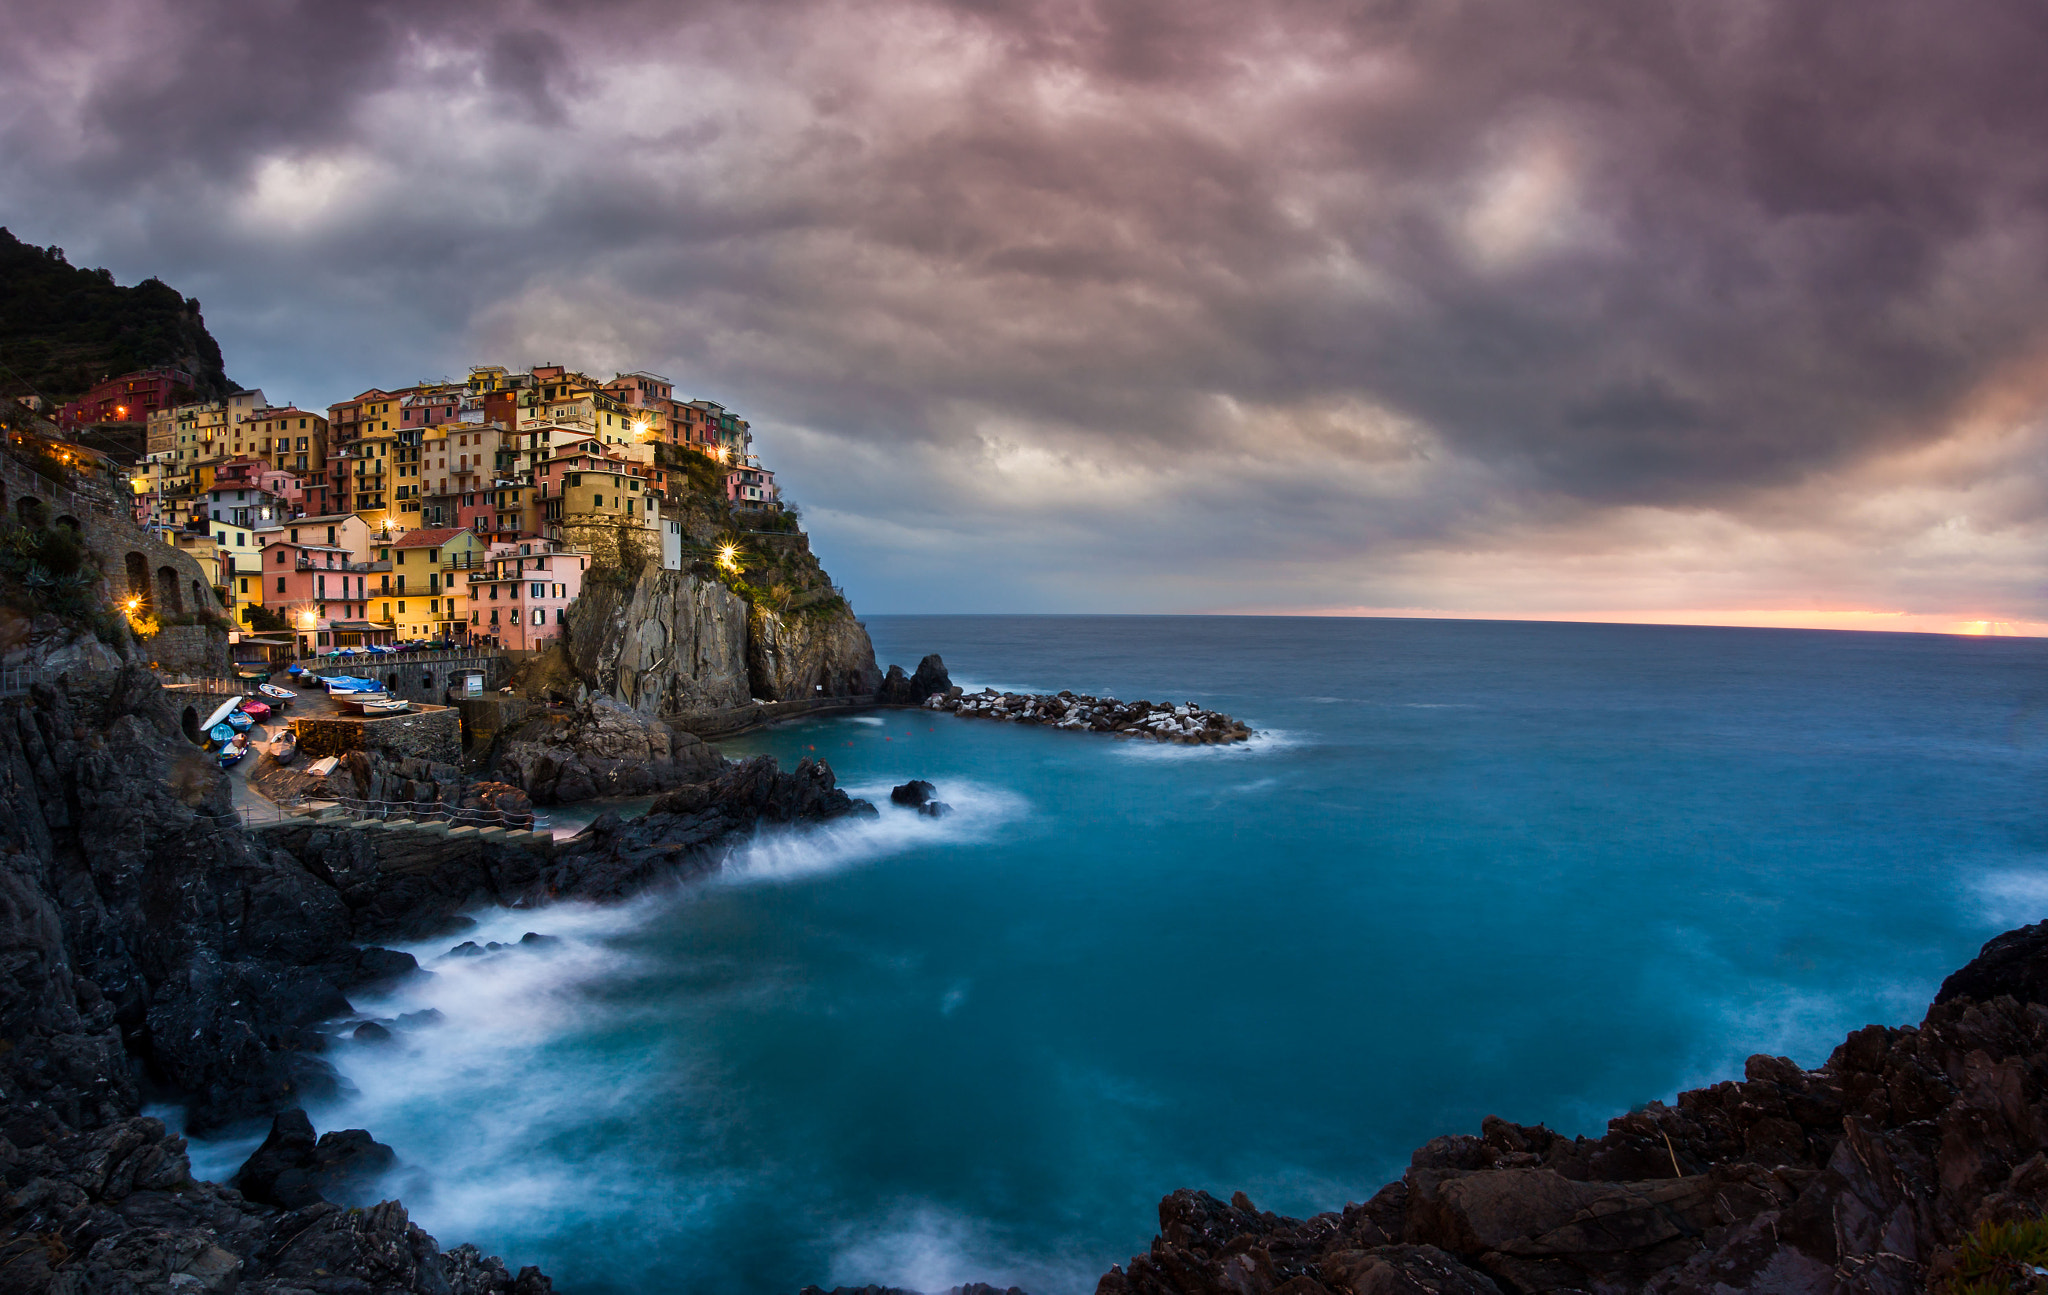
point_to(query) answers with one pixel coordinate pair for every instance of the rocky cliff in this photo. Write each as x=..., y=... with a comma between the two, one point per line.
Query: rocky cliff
x=149, y=943
x=668, y=643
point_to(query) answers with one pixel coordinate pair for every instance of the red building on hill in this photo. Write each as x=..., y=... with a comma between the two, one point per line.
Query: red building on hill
x=130, y=398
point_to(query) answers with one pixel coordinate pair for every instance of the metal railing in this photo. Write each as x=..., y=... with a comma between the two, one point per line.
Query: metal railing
x=19, y=679
x=205, y=685
x=349, y=657
x=440, y=811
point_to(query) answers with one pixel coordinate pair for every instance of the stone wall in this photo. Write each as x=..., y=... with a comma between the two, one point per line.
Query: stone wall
x=188, y=649
x=425, y=732
x=484, y=718
x=427, y=679
x=170, y=582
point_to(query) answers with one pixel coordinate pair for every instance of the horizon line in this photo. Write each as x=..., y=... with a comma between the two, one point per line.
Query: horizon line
x=1826, y=622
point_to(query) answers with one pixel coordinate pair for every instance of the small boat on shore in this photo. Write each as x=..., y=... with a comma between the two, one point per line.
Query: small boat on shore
x=280, y=697
x=240, y=720
x=232, y=753
x=221, y=714
x=387, y=706
x=255, y=709
x=222, y=733
x=286, y=748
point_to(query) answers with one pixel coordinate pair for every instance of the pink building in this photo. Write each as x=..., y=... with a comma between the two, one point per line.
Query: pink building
x=517, y=599
x=321, y=594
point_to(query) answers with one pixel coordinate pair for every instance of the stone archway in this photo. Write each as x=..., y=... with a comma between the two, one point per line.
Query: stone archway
x=169, y=601
x=190, y=723
x=72, y=522
x=138, y=578
x=32, y=511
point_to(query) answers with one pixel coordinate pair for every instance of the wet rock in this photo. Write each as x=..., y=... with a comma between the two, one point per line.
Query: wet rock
x=913, y=793
x=293, y=1169
x=2015, y=963
x=601, y=748
x=467, y=949
x=935, y=809
x=371, y=1032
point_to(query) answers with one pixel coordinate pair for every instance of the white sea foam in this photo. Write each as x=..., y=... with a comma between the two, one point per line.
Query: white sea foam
x=1264, y=741
x=780, y=854
x=2010, y=897
x=495, y=1051
x=875, y=721
x=924, y=1247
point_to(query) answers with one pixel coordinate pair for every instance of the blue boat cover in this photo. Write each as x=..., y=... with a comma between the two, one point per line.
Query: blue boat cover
x=220, y=732
x=347, y=683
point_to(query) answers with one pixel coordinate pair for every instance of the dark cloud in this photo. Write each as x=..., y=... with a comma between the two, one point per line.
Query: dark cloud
x=1385, y=280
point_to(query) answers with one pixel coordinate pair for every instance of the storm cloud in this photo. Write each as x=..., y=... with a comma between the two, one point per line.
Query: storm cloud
x=1482, y=307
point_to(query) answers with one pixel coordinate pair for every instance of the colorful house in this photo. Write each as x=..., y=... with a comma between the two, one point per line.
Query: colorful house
x=419, y=597
x=519, y=598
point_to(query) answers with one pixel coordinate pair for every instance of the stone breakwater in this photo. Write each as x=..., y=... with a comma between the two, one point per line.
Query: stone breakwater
x=1186, y=723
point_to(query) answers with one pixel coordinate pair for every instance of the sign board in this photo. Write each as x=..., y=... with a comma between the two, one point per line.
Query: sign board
x=472, y=685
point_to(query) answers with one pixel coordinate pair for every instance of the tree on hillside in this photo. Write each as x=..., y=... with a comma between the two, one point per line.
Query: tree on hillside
x=62, y=328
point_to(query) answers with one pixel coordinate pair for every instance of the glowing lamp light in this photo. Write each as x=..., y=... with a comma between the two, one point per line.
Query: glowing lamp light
x=728, y=556
x=133, y=604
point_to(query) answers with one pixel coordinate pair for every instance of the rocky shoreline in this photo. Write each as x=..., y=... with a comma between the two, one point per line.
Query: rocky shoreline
x=1187, y=723
x=151, y=946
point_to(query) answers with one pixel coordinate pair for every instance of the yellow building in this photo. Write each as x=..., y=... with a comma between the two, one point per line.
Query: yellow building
x=418, y=597
x=372, y=471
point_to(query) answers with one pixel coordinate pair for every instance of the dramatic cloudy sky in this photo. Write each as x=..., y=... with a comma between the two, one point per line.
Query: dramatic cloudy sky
x=1727, y=310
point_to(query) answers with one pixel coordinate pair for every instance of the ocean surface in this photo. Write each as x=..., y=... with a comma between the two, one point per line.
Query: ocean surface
x=1543, y=871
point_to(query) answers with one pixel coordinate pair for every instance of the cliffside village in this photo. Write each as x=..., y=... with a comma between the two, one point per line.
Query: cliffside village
x=453, y=512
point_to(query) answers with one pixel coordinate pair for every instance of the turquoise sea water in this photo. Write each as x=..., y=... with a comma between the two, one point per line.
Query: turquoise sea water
x=1544, y=871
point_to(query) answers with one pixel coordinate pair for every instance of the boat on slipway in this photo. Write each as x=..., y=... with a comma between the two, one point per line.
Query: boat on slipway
x=280, y=697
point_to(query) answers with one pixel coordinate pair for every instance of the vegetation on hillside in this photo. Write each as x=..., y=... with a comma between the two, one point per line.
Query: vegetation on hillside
x=63, y=328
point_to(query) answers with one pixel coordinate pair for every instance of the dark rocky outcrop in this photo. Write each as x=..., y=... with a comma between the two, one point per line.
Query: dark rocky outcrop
x=146, y=938
x=899, y=689
x=913, y=793
x=686, y=831
x=599, y=748
x=1860, y=1176
x=2014, y=964
x=293, y=1169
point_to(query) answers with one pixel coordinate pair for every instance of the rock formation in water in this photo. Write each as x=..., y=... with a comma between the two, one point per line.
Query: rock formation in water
x=146, y=938
x=899, y=689
x=1864, y=1175
x=1187, y=723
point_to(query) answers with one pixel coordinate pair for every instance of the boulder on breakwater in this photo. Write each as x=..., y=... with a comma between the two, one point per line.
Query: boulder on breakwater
x=1186, y=723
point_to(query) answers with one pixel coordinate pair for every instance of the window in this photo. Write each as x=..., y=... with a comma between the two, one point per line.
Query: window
x=537, y=591
x=280, y=581
x=280, y=557
x=515, y=615
x=245, y=584
x=540, y=616
x=401, y=609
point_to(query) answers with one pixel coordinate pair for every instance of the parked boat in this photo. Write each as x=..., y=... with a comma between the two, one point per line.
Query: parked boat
x=232, y=753
x=240, y=720
x=279, y=697
x=255, y=709
x=222, y=733
x=219, y=716
x=389, y=706
x=286, y=748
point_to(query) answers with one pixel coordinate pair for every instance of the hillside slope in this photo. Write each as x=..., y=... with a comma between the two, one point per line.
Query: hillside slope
x=63, y=328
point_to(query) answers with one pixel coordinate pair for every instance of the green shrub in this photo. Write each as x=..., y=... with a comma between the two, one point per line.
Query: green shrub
x=2002, y=1257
